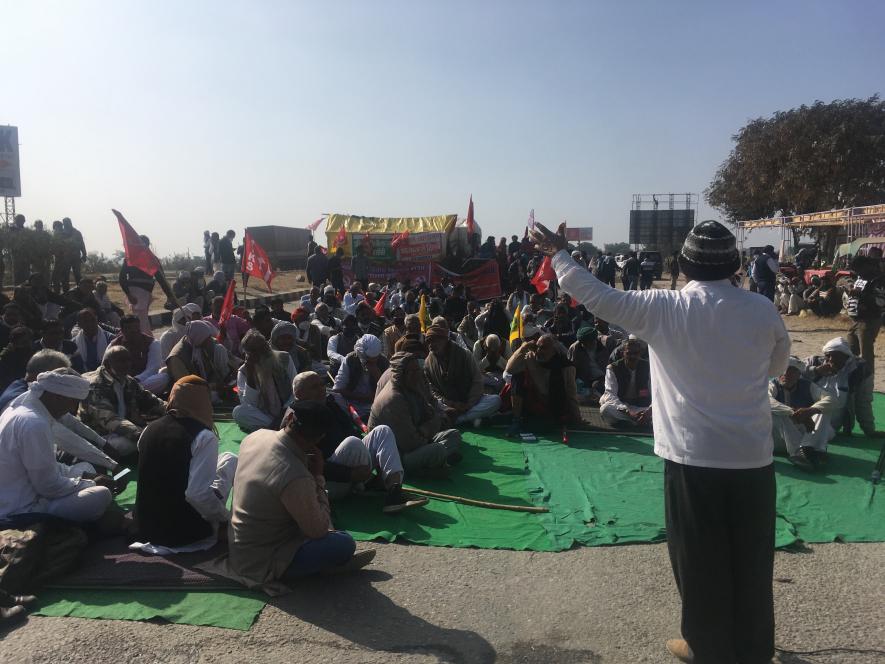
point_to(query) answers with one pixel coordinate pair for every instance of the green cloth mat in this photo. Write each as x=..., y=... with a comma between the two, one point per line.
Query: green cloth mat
x=231, y=609
x=493, y=470
x=601, y=489
x=617, y=495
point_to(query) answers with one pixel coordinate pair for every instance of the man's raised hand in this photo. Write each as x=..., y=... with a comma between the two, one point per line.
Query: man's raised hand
x=546, y=241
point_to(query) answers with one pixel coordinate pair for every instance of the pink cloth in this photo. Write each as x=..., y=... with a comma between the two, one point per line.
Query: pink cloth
x=235, y=328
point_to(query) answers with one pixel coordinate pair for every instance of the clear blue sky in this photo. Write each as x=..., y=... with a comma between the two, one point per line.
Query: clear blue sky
x=212, y=115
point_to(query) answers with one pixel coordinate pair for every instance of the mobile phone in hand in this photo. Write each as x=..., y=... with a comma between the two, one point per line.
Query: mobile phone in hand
x=121, y=479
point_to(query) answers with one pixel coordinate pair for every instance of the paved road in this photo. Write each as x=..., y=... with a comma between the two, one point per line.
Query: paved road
x=422, y=604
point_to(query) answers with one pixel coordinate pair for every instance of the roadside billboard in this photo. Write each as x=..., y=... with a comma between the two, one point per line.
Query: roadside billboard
x=579, y=234
x=10, y=176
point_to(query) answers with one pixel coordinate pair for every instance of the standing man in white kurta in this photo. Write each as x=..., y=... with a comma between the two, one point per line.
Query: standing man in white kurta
x=712, y=350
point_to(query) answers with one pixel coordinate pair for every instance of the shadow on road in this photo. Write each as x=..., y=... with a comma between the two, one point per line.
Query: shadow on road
x=355, y=610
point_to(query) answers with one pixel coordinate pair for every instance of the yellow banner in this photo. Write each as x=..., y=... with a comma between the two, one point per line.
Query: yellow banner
x=384, y=225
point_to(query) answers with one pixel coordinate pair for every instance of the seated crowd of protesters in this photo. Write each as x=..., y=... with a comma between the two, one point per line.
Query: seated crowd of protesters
x=821, y=296
x=348, y=393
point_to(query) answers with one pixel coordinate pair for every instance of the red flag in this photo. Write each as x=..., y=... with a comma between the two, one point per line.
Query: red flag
x=256, y=262
x=227, y=308
x=316, y=224
x=470, y=217
x=137, y=254
x=399, y=239
x=341, y=238
x=544, y=275
x=379, y=305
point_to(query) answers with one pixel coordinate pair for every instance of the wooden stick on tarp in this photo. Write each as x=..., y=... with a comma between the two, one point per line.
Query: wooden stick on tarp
x=476, y=503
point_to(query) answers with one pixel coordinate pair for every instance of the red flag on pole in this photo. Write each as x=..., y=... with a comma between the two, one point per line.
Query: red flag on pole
x=399, y=239
x=544, y=275
x=227, y=308
x=316, y=224
x=379, y=305
x=256, y=262
x=341, y=238
x=470, y=217
x=137, y=254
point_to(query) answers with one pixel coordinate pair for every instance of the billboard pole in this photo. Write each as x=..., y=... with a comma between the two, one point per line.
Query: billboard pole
x=9, y=213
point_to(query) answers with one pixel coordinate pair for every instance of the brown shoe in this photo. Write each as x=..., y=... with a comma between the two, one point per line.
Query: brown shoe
x=359, y=560
x=680, y=649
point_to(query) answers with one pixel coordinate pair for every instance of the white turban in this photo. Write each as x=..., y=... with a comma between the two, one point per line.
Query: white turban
x=64, y=382
x=838, y=345
x=180, y=317
x=368, y=345
x=193, y=308
x=796, y=363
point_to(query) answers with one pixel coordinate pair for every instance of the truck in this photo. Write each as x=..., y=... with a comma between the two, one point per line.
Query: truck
x=286, y=247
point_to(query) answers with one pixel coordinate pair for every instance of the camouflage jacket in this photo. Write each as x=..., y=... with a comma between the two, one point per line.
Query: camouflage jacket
x=99, y=409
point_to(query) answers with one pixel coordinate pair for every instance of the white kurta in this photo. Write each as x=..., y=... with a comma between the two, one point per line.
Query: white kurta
x=712, y=350
x=30, y=477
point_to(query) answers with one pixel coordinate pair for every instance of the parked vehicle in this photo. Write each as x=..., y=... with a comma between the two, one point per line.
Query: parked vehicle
x=658, y=260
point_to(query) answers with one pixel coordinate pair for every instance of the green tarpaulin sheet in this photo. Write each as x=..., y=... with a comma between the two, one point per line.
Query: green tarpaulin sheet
x=601, y=489
x=493, y=470
x=231, y=609
x=617, y=496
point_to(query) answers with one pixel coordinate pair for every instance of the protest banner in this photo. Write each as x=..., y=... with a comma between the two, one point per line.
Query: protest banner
x=484, y=282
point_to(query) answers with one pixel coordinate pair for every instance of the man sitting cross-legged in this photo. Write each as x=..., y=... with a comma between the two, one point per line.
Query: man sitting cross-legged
x=183, y=482
x=341, y=344
x=849, y=380
x=199, y=354
x=75, y=441
x=264, y=383
x=543, y=382
x=91, y=339
x=627, y=397
x=405, y=405
x=455, y=379
x=117, y=406
x=144, y=351
x=797, y=407
x=359, y=374
x=590, y=358
x=350, y=456
x=31, y=480
x=489, y=353
x=281, y=526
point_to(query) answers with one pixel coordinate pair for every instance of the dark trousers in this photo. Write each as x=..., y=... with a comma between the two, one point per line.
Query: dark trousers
x=720, y=535
x=766, y=289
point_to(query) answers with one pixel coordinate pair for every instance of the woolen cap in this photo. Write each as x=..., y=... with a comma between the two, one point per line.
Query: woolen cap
x=709, y=253
x=309, y=417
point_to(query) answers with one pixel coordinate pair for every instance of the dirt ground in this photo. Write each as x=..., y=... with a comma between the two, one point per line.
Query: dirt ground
x=283, y=282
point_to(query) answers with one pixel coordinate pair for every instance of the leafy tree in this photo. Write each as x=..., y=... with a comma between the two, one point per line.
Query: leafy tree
x=818, y=157
x=617, y=248
x=98, y=263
